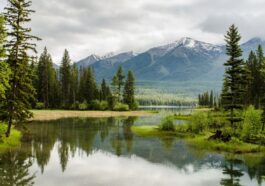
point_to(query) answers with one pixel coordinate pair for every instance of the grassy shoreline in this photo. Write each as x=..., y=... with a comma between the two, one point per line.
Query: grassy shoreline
x=43, y=115
x=13, y=141
x=200, y=141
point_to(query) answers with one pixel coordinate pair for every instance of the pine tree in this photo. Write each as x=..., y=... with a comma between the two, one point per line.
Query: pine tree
x=4, y=68
x=74, y=84
x=90, y=86
x=65, y=79
x=260, y=58
x=47, y=83
x=262, y=73
x=251, y=67
x=18, y=45
x=44, y=74
x=105, y=91
x=128, y=95
x=118, y=82
x=211, y=99
x=233, y=90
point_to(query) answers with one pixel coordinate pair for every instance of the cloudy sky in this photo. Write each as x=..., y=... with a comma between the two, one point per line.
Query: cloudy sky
x=87, y=27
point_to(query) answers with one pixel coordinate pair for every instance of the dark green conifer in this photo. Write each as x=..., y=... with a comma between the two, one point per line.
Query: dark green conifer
x=233, y=91
x=128, y=94
x=18, y=45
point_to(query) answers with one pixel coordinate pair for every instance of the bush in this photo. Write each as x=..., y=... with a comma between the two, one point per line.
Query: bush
x=199, y=122
x=121, y=107
x=83, y=106
x=111, y=102
x=95, y=105
x=135, y=105
x=99, y=105
x=167, y=124
x=252, y=123
x=40, y=105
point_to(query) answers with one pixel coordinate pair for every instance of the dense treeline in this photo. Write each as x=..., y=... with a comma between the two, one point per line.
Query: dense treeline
x=27, y=83
x=207, y=99
x=73, y=88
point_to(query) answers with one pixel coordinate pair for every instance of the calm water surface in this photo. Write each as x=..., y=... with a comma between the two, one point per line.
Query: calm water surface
x=105, y=152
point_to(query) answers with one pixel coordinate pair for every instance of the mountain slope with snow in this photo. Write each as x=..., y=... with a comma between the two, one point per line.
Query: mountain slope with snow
x=183, y=60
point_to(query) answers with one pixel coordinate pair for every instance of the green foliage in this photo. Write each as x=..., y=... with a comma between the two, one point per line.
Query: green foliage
x=83, y=106
x=121, y=107
x=65, y=74
x=2, y=38
x=47, y=82
x=12, y=141
x=128, y=94
x=5, y=73
x=111, y=102
x=252, y=124
x=199, y=122
x=98, y=105
x=167, y=124
x=40, y=105
x=19, y=44
x=118, y=82
x=234, y=82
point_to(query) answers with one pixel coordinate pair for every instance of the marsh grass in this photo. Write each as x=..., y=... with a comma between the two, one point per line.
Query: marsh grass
x=12, y=141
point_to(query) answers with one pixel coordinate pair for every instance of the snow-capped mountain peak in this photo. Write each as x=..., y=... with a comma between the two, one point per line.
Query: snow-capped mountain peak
x=187, y=42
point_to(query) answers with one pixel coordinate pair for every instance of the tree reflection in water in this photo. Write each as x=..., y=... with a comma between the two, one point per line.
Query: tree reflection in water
x=14, y=169
x=80, y=137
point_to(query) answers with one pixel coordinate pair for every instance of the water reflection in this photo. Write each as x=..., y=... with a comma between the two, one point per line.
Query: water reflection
x=14, y=169
x=106, y=152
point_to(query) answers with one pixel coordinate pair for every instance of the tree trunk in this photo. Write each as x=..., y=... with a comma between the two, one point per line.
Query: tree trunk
x=9, y=126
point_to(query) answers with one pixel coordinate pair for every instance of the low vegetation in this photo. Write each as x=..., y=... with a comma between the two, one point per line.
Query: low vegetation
x=200, y=130
x=12, y=141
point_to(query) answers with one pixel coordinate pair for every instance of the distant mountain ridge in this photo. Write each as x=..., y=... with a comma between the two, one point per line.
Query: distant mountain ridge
x=183, y=60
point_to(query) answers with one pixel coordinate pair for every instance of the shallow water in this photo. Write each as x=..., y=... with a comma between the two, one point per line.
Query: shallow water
x=106, y=152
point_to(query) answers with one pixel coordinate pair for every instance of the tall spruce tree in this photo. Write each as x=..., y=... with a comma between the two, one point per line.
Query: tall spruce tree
x=47, y=82
x=4, y=68
x=21, y=91
x=118, y=82
x=90, y=86
x=65, y=79
x=233, y=90
x=44, y=73
x=262, y=73
x=128, y=94
x=74, y=84
x=104, y=91
x=251, y=67
x=260, y=59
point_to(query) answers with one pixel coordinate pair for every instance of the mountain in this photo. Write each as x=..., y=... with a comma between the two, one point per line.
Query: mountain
x=90, y=60
x=183, y=60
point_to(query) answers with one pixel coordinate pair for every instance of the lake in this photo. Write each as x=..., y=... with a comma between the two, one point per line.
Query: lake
x=105, y=152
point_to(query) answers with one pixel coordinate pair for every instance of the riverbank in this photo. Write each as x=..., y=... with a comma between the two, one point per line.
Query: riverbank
x=200, y=141
x=43, y=115
x=12, y=141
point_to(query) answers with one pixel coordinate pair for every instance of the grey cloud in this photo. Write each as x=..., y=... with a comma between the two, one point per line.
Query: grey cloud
x=102, y=26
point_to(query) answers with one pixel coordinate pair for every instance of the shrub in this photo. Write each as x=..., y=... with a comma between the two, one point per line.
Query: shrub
x=95, y=105
x=40, y=105
x=252, y=123
x=121, y=107
x=74, y=106
x=135, y=105
x=111, y=102
x=199, y=122
x=99, y=105
x=167, y=124
x=83, y=106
